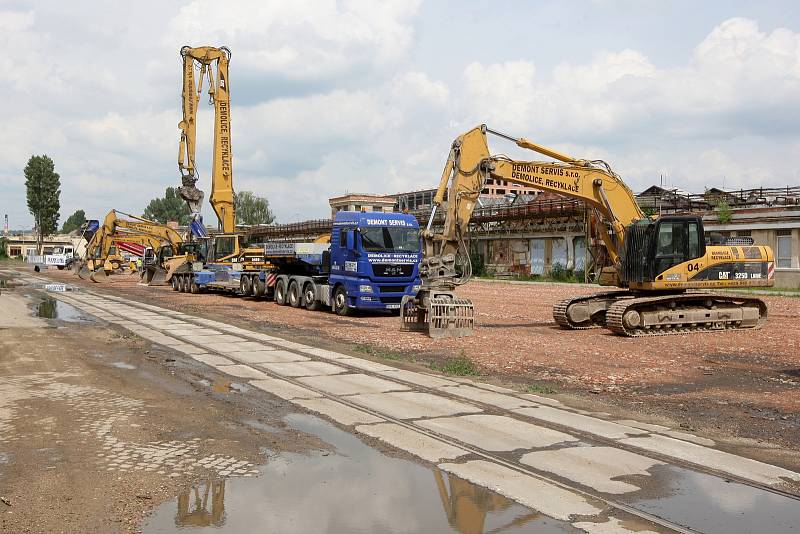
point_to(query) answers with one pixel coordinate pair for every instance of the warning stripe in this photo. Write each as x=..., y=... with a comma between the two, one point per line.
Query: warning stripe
x=271, y=278
x=770, y=270
x=131, y=248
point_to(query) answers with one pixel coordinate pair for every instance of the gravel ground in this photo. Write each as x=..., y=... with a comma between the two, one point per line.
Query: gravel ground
x=743, y=384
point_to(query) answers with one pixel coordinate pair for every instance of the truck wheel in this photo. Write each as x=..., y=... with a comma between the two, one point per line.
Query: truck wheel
x=340, y=305
x=310, y=297
x=60, y=267
x=193, y=287
x=280, y=292
x=259, y=287
x=245, y=287
x=174, y=280
x=182, y=284
x=294, y=294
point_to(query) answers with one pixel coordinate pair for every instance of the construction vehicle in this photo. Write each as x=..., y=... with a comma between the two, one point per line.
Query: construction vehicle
x=221, y=198
x=657, y=263
x=103, y=249
x=370, y=261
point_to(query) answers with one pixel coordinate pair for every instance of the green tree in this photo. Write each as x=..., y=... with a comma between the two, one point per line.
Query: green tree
x=169, y=208
x=252, y=209
x=74, y=221
x=724, y=212
x=43, y=185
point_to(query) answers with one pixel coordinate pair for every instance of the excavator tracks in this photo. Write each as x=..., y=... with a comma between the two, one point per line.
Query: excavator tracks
x=684, y=314
x=596, y=320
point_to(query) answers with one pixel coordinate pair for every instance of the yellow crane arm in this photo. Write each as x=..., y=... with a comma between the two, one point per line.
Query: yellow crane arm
x=213, y=64
x=470, y=164
x=135, y=230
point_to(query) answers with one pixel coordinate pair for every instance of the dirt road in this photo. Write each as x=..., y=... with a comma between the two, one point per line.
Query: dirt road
x=113, y=406
x=740, y=385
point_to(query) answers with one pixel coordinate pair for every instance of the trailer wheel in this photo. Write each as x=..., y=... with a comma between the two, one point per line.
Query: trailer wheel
x=310, y=297
x=294, y=294
x=193, y=287
x=280, y=292
x=340, y=305
x=183, y=283
x=245, y=287
x=259, y=287
x=174, y=280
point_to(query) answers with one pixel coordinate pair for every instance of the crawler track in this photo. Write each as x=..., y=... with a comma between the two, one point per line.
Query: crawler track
x=562, y=318
x=672, y=306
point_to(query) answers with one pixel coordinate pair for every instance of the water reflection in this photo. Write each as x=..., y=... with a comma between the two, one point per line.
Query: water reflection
x=348, y=487
x=466, y=504
x=193, y=505
x=50, y=308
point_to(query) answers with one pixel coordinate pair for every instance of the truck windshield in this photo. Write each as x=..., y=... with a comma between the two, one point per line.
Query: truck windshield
x=386, y=239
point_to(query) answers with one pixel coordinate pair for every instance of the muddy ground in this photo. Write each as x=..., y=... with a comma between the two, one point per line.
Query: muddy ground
x=732, y=386
x=97, y=426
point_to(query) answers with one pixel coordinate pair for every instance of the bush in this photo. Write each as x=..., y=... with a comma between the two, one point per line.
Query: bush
x=559, y=273
x=724, y=212
x=478, y=265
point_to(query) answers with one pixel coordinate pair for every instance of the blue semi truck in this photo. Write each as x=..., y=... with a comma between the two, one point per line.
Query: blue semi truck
x=370, y=262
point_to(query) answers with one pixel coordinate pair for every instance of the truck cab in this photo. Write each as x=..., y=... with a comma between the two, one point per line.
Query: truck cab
x=374, y=260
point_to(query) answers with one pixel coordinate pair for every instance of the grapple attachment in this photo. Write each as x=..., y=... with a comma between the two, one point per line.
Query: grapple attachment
x=442, y=314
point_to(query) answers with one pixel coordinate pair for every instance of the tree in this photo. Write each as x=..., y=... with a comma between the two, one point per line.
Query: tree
x=43, y=186
x=74, y=221
x=170, y=208
x=252, y=209
x=724, y=212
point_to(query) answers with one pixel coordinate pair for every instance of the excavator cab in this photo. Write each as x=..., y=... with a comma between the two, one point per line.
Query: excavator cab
x=652, y=247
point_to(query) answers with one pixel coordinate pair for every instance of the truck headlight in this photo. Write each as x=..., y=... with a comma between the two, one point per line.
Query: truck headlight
x=364, y=288
x=416, y=288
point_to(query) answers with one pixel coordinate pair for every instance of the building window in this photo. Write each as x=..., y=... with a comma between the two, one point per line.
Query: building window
x=744, y=233
x=14, y=251
x=784, y=249
x=500, y=191
x=377, y=208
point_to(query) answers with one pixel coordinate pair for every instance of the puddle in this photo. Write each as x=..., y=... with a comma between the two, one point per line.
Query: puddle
x=123, y=365
x=711, y=505
x=5, y=457
x=354, y=489
x=261, y=426
x=50, y=308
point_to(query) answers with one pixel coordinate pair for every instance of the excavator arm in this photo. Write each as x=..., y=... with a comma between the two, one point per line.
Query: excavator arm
x=470, y=164
x=213, y=64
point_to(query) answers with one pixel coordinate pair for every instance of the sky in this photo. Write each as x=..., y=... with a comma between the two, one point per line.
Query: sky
x=361, y=96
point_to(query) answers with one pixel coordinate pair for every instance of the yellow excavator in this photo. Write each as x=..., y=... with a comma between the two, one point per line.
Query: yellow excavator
x=102, y=249
x=658, y=264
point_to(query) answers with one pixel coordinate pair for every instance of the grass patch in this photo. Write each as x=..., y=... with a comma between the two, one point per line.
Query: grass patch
x=379, y=353
x=542, y=389
x=456, y=366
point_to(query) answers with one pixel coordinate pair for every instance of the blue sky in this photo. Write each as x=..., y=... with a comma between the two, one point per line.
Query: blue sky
x=358, y=96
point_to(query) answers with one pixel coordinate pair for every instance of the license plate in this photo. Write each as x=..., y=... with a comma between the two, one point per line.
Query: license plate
x=392, y=306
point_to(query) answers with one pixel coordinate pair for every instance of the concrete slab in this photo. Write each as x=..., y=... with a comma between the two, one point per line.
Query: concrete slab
x=584, y=423
x=612, y=526
x=283, y=389
x=419, y=379
x=712, y=458
x=341, y=413
x=326, y=354
x=368, y=365
x=221, y=347
x=247, y=345
x=529, y=491
x=507, y=402
x=667, y=431
x=352, y=384
x=187, y=349
x=595, y=467
x=412, y=405
x=303, y=368
x=265, y=356
x=495, y=432
x=540, y=400
x=242, y=371
x=492, y=387
x=288, y=344
x=262, y=337
x=212, y=359
x=411, y=441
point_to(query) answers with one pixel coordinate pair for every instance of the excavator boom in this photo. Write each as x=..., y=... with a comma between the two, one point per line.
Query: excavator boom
x=213, y=66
